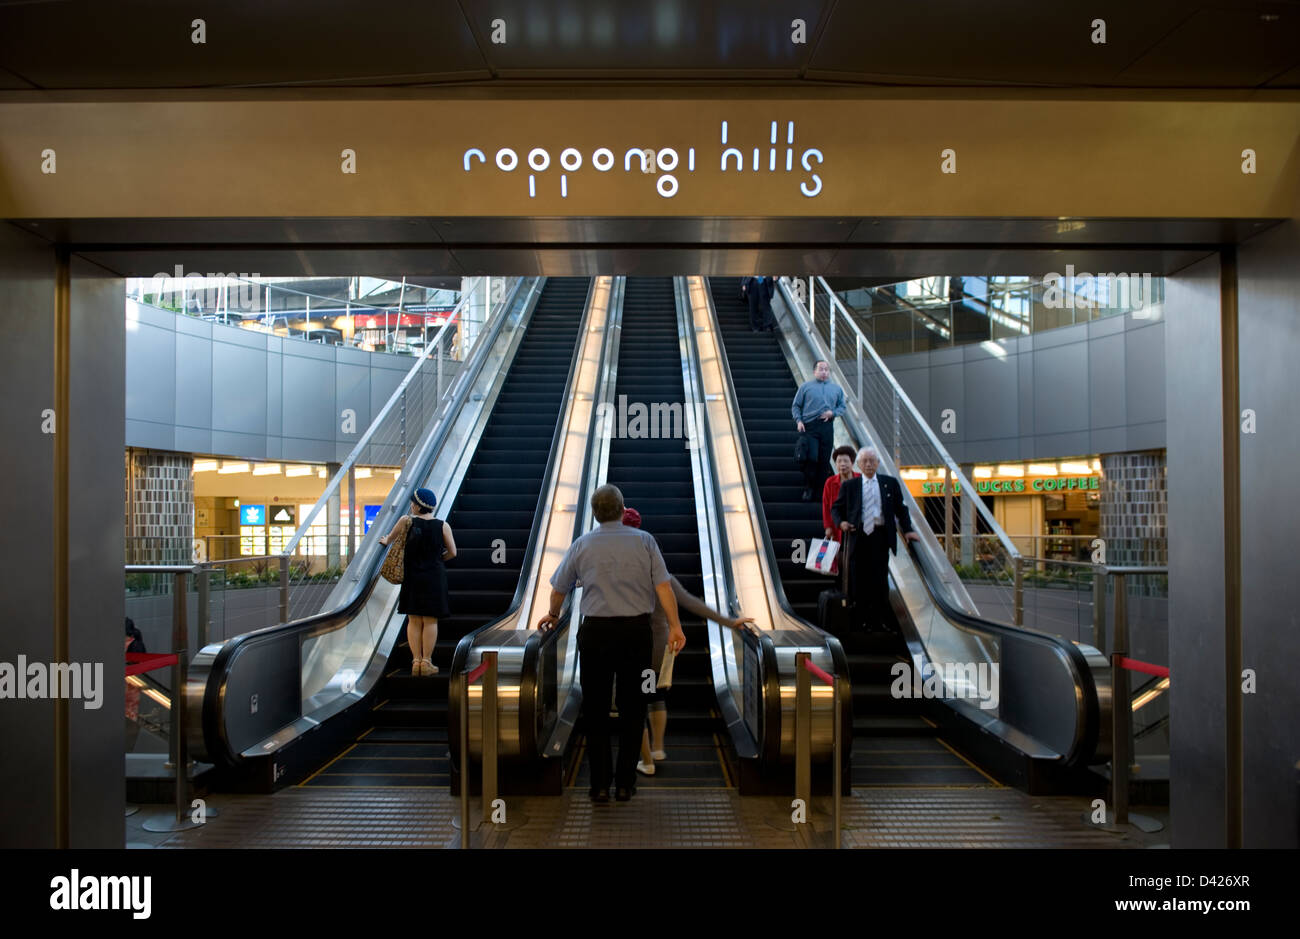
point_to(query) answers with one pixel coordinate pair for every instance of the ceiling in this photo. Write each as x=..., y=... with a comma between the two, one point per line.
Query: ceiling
x=146, y=44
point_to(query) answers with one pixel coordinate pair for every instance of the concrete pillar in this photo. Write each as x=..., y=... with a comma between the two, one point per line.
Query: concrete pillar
x=333, y=513
x=1134, y=509
x=159, y=507
x=968, y=525
x=88, y=596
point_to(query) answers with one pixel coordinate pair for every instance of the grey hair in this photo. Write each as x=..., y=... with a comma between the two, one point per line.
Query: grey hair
x=865, y=450
x=607, y=503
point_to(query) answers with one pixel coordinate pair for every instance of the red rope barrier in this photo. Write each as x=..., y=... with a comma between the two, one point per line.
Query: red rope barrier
x=808, y=664
x=1133, y=665
x=476, y=674
x=138, y=662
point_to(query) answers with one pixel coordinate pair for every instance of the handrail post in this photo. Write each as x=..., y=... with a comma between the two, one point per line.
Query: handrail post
x=831, y=314
x=947, y=513
x=1099, y=607
x=858, y=346
x=837, y=768
x=1121, y=706
x=464, y=760
x=204, y=624
x=803, y=734
x=180, y=643
x=489, y=723
x=1018, y=612
x=284, y=588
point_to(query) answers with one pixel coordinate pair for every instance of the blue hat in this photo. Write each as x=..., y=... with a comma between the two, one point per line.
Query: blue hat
x=425, y=498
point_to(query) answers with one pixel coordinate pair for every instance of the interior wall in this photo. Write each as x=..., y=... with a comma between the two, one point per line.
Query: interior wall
x=1269, y=310
x=1195, y=497
x=96, y=606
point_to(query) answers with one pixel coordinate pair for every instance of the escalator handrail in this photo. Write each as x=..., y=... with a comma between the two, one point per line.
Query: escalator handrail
x=212, y=722
x=1087, y=733
x=1085, y=741
x=455, y=690
x=832, y=644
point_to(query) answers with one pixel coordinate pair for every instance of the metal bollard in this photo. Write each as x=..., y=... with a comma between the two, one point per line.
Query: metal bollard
x=489, y=735
x=836, y=769
x=464, y=760
x=1099, y=607
x=803, y=732
x=1121, y=707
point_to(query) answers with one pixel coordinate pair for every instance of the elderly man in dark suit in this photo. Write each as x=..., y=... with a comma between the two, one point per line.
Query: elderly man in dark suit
x=866, y=510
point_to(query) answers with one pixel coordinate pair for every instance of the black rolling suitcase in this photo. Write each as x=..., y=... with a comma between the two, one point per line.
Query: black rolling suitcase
x=836, y=611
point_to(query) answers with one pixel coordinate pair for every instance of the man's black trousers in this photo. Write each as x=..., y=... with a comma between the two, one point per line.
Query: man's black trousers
x=870, y=577
x=610, y=646
x=816, y=471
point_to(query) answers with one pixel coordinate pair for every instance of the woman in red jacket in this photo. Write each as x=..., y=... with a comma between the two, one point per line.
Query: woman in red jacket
x=843, y=460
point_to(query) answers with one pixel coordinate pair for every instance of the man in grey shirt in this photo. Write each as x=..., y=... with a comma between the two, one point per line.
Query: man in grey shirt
x=816, y=405
x=621, y=571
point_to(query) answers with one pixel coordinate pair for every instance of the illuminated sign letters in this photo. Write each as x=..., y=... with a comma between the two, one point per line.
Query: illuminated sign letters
x=665, y=163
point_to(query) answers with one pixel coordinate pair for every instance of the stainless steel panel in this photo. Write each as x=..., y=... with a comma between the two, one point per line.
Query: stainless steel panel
x=151, y=374
x=1196, y=601
x=308, y=397
x=1144, y=377
x=1107, y=397
x=991, y=387
x=238, y=389
x=191, y=380
x=1269, y=308
x=1061, y=390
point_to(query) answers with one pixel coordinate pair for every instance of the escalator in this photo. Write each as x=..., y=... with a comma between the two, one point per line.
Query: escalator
x=654, y=473
x=276, y=705
x=405, y=742
x=893, y=739
x=1050, y=713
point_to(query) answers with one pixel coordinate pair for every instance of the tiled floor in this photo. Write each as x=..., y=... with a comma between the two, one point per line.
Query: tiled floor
x=874, y=817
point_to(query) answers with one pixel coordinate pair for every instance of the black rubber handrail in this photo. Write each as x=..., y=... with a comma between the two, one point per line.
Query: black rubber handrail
x=213, y=726
x=455, y=691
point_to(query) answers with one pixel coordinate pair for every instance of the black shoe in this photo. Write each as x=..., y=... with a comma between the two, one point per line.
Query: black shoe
x=601, y=796
x=624, y=793
x=807, y=495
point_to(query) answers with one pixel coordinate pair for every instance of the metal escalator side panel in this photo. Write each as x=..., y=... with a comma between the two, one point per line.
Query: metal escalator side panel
x=510, y=635
x=752, y=551
x=245, y=695
x=1051, y=697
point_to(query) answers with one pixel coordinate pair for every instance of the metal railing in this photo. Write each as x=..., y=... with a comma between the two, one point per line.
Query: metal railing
x=278, y=308
x=935, y=312
x=893, y=419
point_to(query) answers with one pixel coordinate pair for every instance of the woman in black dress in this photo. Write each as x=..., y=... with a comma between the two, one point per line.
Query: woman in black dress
x=423, y=597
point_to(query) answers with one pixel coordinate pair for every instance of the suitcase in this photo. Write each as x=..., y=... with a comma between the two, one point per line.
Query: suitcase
x=837, y=614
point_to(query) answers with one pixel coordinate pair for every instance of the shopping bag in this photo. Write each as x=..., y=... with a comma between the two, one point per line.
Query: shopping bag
x=821, y=555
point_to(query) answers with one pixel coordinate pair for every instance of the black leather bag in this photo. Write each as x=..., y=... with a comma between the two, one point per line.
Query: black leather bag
x=805, y=449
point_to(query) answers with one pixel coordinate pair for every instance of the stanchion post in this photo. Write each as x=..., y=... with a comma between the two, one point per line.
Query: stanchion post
x=1099, y=574
x=489, y=722
x=464, y=760
x=1121, y=706
x=180, y=642
x=1018, y=614
x=284, y=588
x=204, y=625
x=803, y=733
x=838, y=738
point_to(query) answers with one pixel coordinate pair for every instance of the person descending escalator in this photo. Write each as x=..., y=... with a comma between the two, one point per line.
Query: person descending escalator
x=816, y=405
x=423, y=597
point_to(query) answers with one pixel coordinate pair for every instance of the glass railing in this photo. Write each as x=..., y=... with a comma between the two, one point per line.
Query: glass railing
x=936, y=312
x=283, y=308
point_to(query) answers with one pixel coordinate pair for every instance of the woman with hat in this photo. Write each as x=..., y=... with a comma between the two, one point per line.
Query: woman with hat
x=423, y=597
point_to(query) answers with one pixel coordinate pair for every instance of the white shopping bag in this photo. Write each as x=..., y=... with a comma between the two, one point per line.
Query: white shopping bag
x=666, y=669
x=821, y=555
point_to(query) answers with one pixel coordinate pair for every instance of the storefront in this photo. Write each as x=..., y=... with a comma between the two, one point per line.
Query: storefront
x=1050, y=509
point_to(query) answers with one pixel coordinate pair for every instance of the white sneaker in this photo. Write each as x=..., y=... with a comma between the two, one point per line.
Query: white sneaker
x=645, y=769
x=658, y=755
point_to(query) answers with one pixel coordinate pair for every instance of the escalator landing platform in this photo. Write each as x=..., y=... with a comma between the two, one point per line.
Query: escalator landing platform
x=901, y=817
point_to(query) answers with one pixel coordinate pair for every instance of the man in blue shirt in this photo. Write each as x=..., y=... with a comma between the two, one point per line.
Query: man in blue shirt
x=621, y=571
x=816, y=405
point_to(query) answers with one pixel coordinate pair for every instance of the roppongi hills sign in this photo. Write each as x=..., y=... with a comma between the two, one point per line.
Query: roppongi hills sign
x=666, y=165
